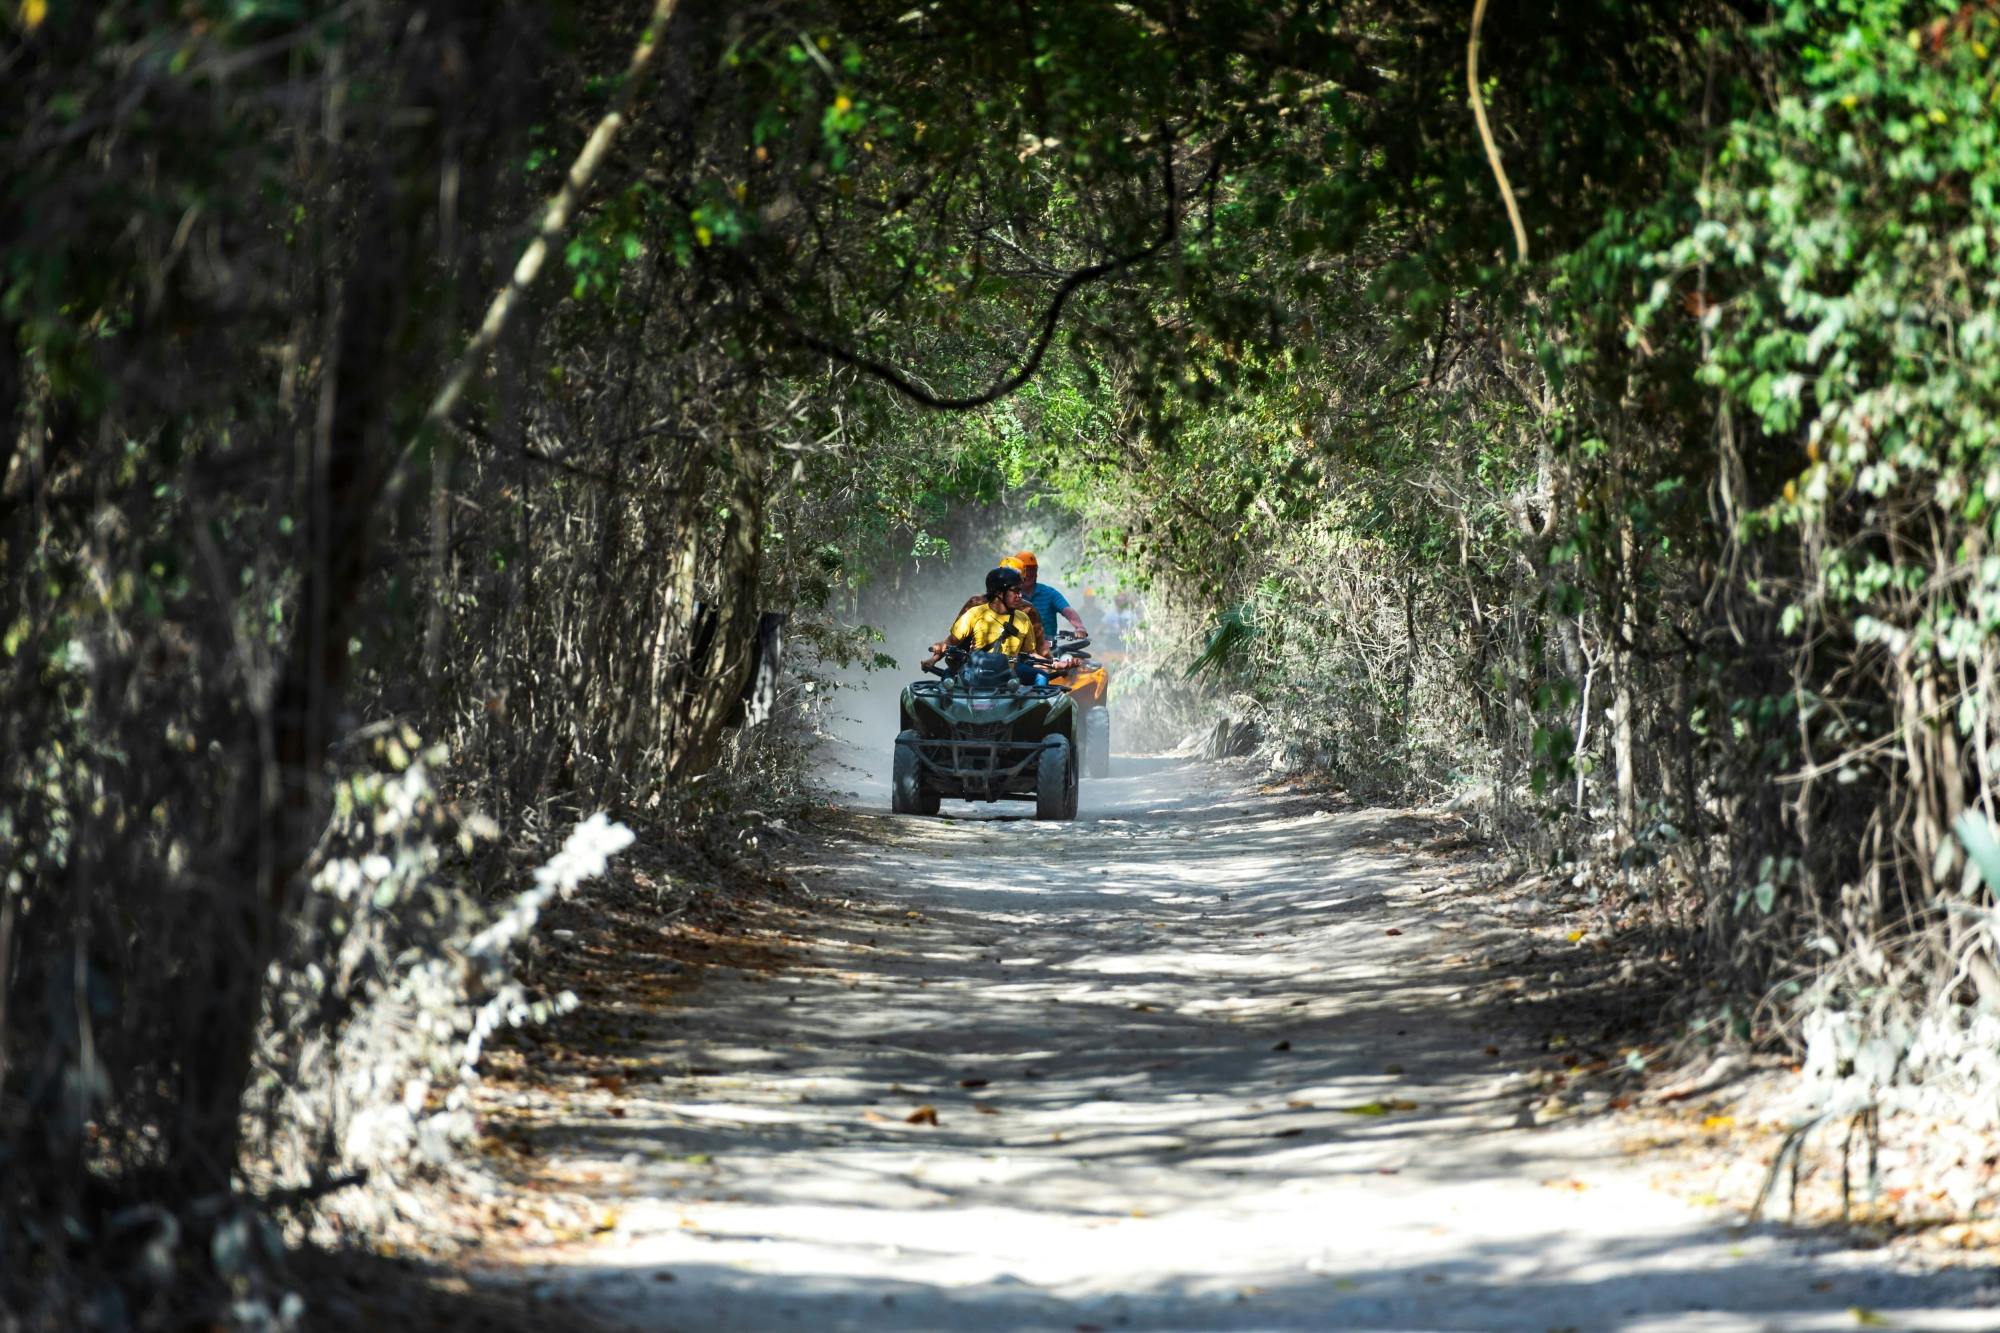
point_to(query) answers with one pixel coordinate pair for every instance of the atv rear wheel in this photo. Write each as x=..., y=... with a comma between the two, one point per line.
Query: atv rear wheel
x=907, y=793
x=1055, y=780
x=1097, y=742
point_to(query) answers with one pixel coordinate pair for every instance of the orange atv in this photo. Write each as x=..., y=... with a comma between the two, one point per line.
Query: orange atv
x=1088, y=682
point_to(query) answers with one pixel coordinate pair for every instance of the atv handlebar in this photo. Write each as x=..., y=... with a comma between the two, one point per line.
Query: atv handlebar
x=947, y=662
x=1066, y=646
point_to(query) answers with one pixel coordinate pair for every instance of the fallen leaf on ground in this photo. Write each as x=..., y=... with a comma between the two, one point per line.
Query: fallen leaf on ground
x=875, y=1117
x=1299, y=1104
x=972, y=1082
x=1378, y=1108
x=1282, y=1046
x=923, y=1115
x=1867, y=1317
x=1392, y=931
x=986, y=1108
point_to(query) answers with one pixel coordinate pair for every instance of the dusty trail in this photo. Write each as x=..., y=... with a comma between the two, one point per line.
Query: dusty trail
x=1184, y=1077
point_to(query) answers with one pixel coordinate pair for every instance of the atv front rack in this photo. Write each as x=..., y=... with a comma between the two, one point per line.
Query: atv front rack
x=979, y=769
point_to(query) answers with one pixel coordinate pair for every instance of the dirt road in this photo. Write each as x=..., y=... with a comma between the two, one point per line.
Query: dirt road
x=1204, y=1060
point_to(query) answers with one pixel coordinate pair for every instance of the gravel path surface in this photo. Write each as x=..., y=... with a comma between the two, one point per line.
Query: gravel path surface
x=1197, y=1061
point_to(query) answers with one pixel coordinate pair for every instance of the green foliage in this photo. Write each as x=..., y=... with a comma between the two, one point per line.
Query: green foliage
x=1975, y=831
x=1234, y=630
x=1689, y=524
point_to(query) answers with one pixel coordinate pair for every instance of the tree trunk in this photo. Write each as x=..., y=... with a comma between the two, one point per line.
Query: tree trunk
x=279, y=762
x=716, y=677
x=1622, y=707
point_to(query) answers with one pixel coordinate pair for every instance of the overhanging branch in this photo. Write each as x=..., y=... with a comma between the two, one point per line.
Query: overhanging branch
x=1024, y=366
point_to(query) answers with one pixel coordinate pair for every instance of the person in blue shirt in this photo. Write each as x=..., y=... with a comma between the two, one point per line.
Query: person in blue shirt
x=1047, y=601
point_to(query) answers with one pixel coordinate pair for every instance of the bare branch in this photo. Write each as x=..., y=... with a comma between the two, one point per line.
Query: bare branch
x=555, y=221
x=1486, y=133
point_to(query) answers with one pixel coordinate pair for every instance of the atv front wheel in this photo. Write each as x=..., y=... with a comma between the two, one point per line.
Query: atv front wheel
x=1097, y=742
x=1055, y=780
x=907, y=793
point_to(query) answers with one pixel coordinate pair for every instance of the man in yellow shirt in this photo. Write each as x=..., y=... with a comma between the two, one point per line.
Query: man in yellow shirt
x=1001, y=623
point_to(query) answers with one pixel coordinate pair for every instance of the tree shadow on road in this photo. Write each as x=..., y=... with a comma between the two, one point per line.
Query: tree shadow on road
x=1249, y=995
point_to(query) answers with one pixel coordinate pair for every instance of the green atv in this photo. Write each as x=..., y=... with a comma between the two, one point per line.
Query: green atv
x=978, y=734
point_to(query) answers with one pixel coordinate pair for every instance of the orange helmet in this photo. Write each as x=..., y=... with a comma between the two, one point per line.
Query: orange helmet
x=1013, y=562
x=1025, y=560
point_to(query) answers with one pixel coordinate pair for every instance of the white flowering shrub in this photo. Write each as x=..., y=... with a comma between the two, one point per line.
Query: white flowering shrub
x=399, y=977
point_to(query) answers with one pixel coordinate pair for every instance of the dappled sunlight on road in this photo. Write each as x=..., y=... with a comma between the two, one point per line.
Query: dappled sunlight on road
x=1203, y=1059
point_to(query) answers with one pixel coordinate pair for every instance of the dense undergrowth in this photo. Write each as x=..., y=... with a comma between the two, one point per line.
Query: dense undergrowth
x=413, y=418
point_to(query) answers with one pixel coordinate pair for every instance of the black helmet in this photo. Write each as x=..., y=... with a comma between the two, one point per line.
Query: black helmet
x=1002, y=580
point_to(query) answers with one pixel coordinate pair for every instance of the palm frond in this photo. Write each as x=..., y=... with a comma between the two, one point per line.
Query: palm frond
x=1233, y=630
